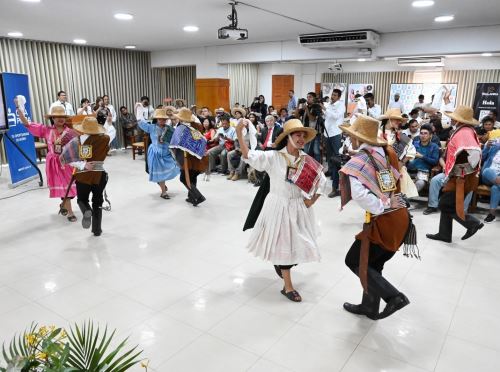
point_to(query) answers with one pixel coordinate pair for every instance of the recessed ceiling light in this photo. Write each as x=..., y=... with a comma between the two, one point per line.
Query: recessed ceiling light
x=190, y=28
x=446, y=18
x=124, y=16
x=486, y=54
x=15, y=34
x=129, y=46
x=80, y=41
x=422, y=3
x=361, y=59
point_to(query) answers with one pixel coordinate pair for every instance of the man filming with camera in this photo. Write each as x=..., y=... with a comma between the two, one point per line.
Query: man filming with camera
x=334, y=112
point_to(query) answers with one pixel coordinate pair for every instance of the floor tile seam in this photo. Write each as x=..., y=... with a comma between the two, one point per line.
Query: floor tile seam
x=17, y=292
x=483, y=346
x=455, y=310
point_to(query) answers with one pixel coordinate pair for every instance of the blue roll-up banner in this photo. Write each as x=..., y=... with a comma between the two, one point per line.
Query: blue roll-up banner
x=16, y=86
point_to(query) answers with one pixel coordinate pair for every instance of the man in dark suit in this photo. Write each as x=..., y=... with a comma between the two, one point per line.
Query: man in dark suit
x=269, y=134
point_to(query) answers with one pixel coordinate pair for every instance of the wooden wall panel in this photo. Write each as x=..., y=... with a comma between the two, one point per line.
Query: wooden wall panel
x=281, y=85
x=212, y=93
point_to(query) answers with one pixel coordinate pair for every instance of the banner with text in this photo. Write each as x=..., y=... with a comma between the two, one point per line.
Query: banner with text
x=16, y=87
x=487, y=98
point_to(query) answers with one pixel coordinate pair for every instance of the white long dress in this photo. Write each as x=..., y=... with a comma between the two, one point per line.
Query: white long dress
x=286, y=230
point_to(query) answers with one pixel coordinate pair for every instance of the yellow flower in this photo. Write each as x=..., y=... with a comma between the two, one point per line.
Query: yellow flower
x=31, y=338
x=145, y=363
x=43, y=331
x=42, y=356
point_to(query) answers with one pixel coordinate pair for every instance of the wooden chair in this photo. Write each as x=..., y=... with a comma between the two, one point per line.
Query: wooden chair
x=482, y=190
x=140, y=147
x=41, y=148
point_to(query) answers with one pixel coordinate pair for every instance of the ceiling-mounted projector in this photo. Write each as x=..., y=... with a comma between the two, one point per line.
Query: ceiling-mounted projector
x=232, y=31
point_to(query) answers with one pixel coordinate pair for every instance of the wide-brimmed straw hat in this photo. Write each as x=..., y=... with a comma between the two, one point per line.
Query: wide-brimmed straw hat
x=393, y=113
x=364, y=128
x=170, y=110
x=185, y=115
x=160, y=114
x=242, y=111
x=57, y=112
x=295, y=125
x=89, y=125
x=463, y=114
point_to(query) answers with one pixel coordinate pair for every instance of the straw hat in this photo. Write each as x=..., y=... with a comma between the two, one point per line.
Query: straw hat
x=170, y=110
x=57, y=112
x=463, y=114
x=89, y=125
x=365, y=128
x=185, y=115
x=295, y=125
x=393, y=113
x=242, y=111
x=180, y=102
x=160, y=114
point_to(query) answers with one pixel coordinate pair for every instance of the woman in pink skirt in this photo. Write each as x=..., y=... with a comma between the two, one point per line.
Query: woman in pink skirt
x=58, y=176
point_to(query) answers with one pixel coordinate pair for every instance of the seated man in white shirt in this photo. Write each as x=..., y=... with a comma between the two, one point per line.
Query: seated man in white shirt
x=397, y=103
x=227, y=135
x=61, y=101
x=413, y=130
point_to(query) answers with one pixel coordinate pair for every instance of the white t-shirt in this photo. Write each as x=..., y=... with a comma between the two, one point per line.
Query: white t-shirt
x=334, y=116
x=399, y=105
x=68, y=107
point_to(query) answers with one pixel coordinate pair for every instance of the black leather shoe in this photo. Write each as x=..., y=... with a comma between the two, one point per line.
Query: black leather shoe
x=87, y=219
x=472, y=231
x=395, y=304
x=437, y=237
x=359, y=310
x=430, y=210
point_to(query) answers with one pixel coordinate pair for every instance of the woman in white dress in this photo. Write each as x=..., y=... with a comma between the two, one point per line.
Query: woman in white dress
x=285, y=231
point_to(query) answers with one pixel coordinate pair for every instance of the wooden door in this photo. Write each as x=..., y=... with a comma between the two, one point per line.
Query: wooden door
x=213, y=93
x=281, y=85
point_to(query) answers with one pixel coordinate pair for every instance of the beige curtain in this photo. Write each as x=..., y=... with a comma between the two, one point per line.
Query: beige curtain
x=174, y=82
x=381, y=81
x=243, y=79
x=467, y=80
x=81, y=71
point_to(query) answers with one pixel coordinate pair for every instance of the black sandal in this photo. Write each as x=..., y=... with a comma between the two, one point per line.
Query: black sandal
x=72, y=218
x=278, y=271
x=292, y=296
x=63, y=210
x=165, y=196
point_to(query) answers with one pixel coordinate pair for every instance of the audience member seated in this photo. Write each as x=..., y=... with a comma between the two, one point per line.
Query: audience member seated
x=128, y=122
x=443, y=133
x=234, y=159
x=283, y=117
x=269, y=134
x=426, y=157
x=226, y=135
x=415, y=115
x=413, y=129
x=490, y=175
x=487, y=125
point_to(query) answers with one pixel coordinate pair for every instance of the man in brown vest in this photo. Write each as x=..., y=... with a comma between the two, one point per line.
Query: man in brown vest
x=463, y=158
x=371, y=178
x=88, y=152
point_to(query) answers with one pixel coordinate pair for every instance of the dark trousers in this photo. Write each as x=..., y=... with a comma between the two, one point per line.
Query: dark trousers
x=447, y=205
x=193, y=177
x=333, y=145
x=378, y=286
x=83, y=191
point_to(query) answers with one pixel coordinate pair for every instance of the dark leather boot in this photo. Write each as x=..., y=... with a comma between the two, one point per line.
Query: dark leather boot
x=445, y=229
x=396, y=303
x=369, y=306
x=87, y=214
x=96, y=221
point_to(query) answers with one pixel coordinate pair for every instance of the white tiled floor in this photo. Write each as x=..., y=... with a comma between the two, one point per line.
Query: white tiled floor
x=178, y=280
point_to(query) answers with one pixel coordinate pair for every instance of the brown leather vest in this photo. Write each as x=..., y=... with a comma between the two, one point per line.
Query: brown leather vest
x=99, y=146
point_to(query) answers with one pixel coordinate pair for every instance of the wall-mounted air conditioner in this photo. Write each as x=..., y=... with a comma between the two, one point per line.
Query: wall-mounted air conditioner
x=341, y=39
x=421, y=61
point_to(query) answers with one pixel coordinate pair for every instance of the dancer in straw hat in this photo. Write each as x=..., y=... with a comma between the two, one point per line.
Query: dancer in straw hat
x=161, y=164
x=371, y=178
x=190, y=150
x=87, y=153
x=56, y=136
x=285, y=231
x=463, y=158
